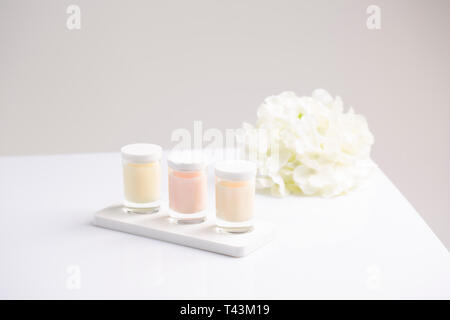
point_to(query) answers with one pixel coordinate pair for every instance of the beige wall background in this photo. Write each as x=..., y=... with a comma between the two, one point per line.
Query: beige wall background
x=138, y=69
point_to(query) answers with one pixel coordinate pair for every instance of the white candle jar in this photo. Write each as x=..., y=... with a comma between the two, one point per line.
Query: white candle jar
x=235, y=194
x=187, y=187
x=141, y=177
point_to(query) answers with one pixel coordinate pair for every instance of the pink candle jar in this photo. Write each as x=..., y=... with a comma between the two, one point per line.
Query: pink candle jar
x=187, y=187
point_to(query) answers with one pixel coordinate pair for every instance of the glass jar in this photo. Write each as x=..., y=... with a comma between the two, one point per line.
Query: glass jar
x=142, y=177
x=187, y=187
x=235, y=194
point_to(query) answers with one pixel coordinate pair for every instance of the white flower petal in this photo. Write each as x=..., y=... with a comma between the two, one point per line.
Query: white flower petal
x=322, y=150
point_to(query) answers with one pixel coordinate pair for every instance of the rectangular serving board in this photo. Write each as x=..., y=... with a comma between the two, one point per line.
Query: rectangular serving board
x=201, y=236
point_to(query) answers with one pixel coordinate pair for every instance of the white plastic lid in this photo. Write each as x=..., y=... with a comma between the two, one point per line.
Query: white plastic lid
x=235, y=170
x=187, y=160
x=141, y=152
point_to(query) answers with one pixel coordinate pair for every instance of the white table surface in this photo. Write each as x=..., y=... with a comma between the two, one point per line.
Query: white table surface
x=368, y=244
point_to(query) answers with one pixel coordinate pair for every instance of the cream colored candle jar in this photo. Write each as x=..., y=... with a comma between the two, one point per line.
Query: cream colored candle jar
x=235, y=194
x=141, y=177
x=187, y=187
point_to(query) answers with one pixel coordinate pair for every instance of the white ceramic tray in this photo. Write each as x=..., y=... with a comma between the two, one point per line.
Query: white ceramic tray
x=202, y=236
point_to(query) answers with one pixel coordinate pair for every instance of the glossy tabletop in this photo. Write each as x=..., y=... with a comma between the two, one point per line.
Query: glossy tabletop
x=370, y=243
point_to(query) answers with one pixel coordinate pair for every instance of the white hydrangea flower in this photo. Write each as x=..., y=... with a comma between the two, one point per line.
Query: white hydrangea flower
x=321, y=150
